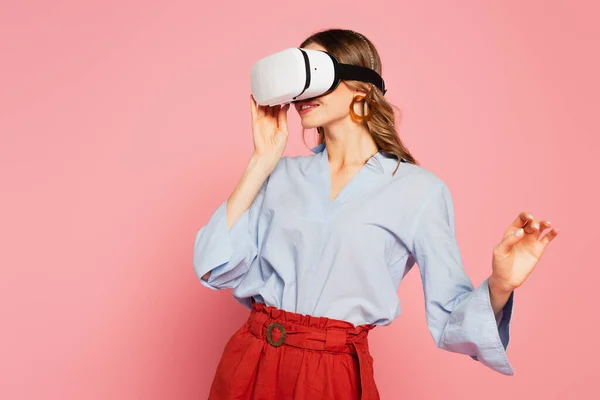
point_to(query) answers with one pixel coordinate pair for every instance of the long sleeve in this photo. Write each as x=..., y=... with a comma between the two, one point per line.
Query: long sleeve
x=459, y=317
x=228, y=253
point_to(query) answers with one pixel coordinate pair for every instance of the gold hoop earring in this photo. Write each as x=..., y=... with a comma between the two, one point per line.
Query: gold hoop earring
x=360, y=118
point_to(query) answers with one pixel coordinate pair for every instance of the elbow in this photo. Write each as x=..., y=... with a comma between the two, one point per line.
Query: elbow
x=205, y=272
x=208, y=279
x=226, y=275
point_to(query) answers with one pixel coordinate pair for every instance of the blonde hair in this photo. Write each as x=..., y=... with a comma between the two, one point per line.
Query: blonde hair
x=350, y=47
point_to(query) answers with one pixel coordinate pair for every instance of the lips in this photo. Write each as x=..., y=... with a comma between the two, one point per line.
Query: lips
x=301, y=111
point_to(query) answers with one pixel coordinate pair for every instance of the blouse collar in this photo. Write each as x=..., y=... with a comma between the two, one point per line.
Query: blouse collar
x=375, y=161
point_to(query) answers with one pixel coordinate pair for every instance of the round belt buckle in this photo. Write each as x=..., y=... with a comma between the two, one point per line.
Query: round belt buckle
x=270, y=328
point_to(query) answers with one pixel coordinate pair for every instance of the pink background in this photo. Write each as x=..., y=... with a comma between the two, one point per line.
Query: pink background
x=123, y=125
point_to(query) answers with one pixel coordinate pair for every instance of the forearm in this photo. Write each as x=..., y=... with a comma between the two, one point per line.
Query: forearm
x=498, y=296
x=245, y=192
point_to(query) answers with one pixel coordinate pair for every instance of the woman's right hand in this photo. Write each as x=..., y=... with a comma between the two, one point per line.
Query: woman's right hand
x=269, y=127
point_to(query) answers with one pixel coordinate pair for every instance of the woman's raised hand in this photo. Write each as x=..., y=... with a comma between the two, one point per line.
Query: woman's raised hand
x=269, y=127
x=520, y=250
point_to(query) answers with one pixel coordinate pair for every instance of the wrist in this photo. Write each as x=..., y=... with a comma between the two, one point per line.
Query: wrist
x=263, y=164
x=499, y=287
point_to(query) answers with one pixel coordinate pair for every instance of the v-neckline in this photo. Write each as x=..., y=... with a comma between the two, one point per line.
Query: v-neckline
x=328, y=183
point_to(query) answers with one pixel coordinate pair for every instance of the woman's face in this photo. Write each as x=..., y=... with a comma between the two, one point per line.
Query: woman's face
x=330, y=108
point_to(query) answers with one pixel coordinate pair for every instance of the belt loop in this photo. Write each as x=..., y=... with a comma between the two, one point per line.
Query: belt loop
x=335, y=339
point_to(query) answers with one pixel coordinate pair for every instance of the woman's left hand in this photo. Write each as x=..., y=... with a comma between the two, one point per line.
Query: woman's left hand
x=517, y=254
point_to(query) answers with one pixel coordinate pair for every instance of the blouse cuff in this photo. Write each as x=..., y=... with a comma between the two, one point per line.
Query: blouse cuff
x=221, y=250
x=477, y=331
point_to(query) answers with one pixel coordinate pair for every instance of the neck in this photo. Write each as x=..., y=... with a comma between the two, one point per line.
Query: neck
x=348, y=143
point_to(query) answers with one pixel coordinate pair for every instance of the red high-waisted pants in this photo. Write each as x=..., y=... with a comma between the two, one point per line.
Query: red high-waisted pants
x=278, y=354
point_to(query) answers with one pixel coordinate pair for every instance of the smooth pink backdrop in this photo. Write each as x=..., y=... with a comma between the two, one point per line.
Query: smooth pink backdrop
x=123, y=125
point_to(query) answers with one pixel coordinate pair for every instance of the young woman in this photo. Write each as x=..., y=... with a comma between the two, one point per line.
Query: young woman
x=316, y=247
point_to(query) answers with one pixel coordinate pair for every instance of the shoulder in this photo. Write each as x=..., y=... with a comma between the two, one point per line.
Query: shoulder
x=417, y=182
x=291, y=165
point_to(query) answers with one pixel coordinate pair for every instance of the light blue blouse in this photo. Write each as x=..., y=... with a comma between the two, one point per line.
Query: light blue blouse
x=296, y=250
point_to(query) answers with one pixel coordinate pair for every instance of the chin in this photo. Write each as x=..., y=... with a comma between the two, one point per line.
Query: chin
x=310, y=124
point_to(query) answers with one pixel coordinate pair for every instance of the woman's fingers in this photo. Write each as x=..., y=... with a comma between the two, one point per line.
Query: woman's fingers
x=522, y=219
x=551, y=234
x=282, y=118
x=253, y=111
x=526, y=221
x=504, y=248
x=545, y=224
x=264, y=111
x=529, y=223
x=533, y=226
x=261, y=111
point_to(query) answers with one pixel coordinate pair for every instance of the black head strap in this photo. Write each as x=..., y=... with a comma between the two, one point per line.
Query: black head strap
x=363, y=74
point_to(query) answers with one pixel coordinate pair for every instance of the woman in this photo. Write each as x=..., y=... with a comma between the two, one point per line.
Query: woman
x=317, y=245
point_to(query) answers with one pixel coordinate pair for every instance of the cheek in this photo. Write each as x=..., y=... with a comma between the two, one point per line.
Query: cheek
x=334, y=110
x=337, y=103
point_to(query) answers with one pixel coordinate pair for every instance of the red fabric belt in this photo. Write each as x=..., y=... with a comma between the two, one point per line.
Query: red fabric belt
x=336, y=336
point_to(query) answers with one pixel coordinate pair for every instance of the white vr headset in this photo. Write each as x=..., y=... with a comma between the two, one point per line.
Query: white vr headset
x=298, y=74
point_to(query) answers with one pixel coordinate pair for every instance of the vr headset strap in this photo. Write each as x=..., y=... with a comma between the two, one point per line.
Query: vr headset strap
x=357, y=73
